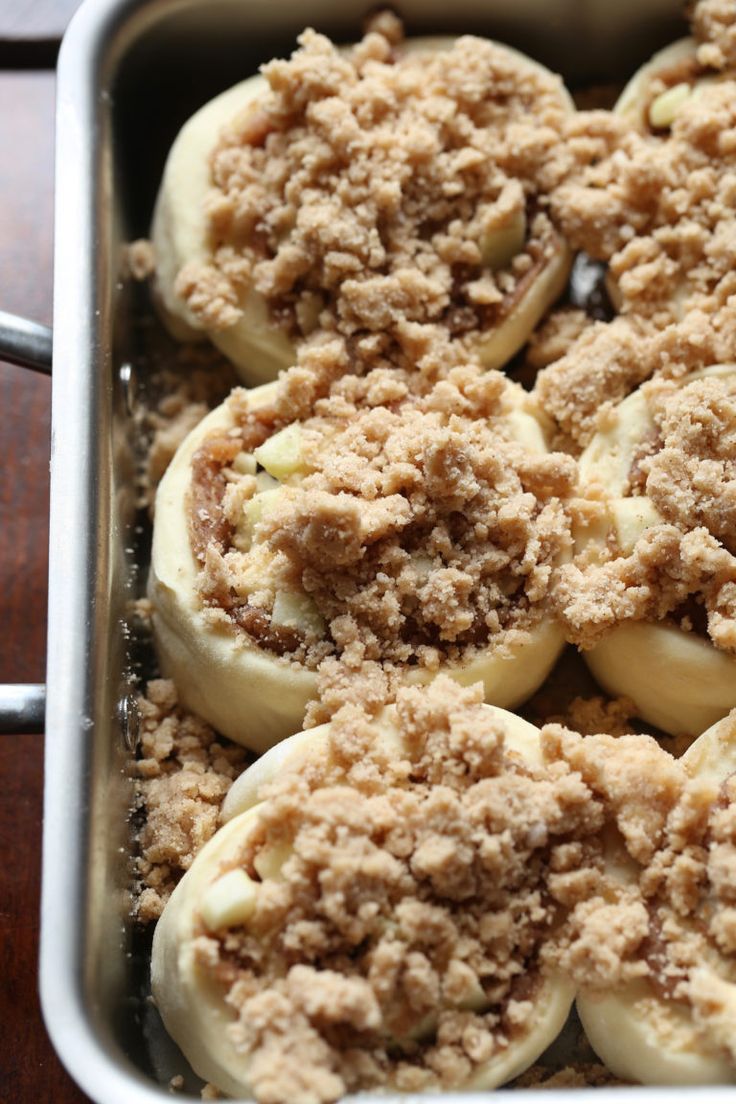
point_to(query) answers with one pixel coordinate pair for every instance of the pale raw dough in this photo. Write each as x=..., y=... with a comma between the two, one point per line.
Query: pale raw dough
x=679, y=681
x=244, y=692
x=258, y=349
x=251, y=695
x=193, y=1009
x=639, y=1036
x=180, y=235
x=713, y=755
x=642, y=1039
x=496, y=349
x=191, y=1005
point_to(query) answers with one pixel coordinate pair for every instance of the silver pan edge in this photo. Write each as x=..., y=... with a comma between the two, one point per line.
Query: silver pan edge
x=115, y=54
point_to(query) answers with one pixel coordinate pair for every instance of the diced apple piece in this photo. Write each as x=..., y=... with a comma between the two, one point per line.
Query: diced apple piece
x=265, y=482
x=475, y=1000
x=270, y=859
x=631, y=517
x=664, y=108
x=256, y=508
x=245, y=463
x=281, y=455
x=229, y=901
x=499, y=244
x=525, y=429
x=297, y=611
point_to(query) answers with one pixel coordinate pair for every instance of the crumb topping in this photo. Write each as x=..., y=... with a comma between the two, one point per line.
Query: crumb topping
x=714, y=27
x=684, y=570
x=399, y=944
x=140, y=259
x=688, y=579
x=420, y=900
x=691, y=478
x=581, y=1075
x=660, y=213
x=180, y=389
x=184, y=772
x=174, y=420
x=557, y=332
x=609, y=360
x=599, y=715
x=677, y=928
x=597, y=370
x=383, y=185
x=415, y=527
x=633, y=775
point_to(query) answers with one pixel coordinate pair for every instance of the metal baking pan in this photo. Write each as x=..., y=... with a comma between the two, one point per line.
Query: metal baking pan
x=130, y=73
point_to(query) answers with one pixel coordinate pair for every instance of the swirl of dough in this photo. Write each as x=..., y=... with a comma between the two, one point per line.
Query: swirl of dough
x=212, y=1010
x=675, y=1026
x=499, y=248
x=234, y=626
x=661, y=480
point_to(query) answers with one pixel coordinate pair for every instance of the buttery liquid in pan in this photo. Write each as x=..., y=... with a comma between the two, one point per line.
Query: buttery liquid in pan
x=177, y=61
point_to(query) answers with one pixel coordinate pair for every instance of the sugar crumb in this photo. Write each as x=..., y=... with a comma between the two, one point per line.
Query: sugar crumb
x=184, y=772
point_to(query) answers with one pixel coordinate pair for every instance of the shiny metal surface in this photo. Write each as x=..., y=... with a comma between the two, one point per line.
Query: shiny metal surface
x=22, y=708
x=25, y=343
x=130, y=73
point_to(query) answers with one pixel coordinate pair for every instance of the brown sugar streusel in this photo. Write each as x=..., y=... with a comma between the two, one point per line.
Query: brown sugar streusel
x=659, y=212
x=714, y=27
x=184, y=771
x=682, y=840
x=413, y=527
x=399, y=945
x=682, y=569
x=436, y=889
x=599, y=367
x=368, y=189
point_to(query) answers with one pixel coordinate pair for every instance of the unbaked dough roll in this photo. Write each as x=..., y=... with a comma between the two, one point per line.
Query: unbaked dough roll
x=521, y=738
x=244, y=651
x=654, y=95
x=180, y=234
x=242, y=690
x=201, y=292
x=640, y=1034
x=219, y=895
x=651, y=103
x=679, y=680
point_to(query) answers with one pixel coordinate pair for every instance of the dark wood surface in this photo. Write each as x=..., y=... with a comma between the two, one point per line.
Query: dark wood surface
x=30, y=1073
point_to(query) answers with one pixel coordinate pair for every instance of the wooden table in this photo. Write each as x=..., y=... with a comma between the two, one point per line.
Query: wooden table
x=29, y=33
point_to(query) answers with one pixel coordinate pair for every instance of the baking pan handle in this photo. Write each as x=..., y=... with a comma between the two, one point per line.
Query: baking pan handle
x=22, y=708
x=25, y=343
x=29, y=345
